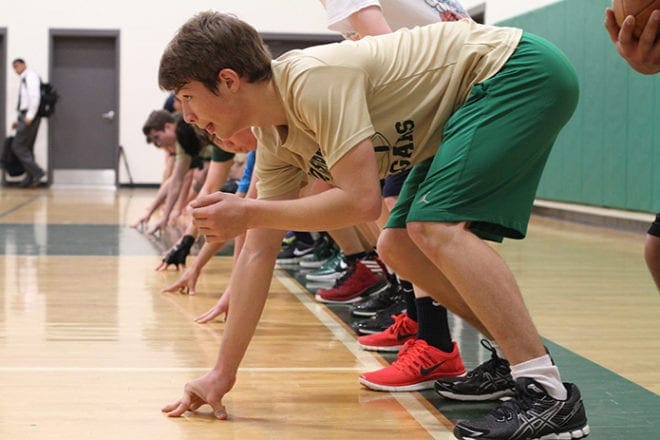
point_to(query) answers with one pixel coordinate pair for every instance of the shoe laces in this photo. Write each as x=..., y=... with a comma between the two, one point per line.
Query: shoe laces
x=413, y=354
x=494, y=364
x=522, y=401
x=400, y=321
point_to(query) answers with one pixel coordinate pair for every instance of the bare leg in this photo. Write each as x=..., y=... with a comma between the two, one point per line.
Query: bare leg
x=404, y=257
x=484, y=282
x=348, y=240
x=652, y=257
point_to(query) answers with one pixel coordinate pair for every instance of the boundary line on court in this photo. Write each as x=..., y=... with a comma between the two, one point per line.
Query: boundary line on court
x=19, y=206
x=20, y=369
x=435, y=427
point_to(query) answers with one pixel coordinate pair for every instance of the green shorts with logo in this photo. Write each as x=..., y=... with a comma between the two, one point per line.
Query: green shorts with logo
x=494, y=147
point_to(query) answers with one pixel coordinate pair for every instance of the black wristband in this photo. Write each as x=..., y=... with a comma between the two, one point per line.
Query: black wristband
x=187, y=241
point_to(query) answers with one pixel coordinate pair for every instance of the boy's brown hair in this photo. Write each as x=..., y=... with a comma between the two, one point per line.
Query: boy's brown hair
x=209, y=42
x=156, y=121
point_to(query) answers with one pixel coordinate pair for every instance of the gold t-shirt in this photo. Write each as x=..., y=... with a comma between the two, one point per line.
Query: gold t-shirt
x=399, y=90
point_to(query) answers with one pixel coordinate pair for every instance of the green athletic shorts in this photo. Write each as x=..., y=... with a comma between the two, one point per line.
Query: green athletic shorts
x=494, y=147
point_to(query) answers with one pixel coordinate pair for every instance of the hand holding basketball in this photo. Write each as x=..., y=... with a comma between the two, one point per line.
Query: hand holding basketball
x=643, y=52
x=640, y=9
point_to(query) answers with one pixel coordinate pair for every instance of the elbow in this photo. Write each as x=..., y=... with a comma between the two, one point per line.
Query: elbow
x=371, y=209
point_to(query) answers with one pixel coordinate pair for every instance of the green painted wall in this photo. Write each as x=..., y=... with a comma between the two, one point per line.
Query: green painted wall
x=609, y=153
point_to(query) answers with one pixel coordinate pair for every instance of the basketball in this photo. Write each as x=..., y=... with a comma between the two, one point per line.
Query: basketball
x=640, y=9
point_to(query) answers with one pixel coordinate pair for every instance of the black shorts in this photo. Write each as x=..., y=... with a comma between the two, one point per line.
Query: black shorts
x=391, y=185
x=655, y=226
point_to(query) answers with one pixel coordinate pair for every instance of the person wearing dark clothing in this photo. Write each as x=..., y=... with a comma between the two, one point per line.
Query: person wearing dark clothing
x=27, y=123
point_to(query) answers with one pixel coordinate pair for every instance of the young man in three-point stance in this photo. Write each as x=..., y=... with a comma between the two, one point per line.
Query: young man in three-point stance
x=473, y=110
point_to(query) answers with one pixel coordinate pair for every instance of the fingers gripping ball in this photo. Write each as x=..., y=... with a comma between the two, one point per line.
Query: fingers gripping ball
x=640, y=9
x=177, y=255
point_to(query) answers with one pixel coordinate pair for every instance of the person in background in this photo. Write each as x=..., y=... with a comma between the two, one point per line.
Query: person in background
x=169, y=130
x=421, y=335
x=27, y=123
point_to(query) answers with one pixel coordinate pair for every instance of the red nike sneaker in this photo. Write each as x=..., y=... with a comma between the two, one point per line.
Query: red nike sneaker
x=393, y=337
x=417, y=367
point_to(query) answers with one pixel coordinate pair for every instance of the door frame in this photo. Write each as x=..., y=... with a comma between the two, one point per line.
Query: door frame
x=99, y=33
x=312, y=39
x=3, y=85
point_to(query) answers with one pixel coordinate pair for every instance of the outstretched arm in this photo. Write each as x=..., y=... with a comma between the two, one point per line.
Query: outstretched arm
x=175, y=182
x=188, y=281
x=256, y=263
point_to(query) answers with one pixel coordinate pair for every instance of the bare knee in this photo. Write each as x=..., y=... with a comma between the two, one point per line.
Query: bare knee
x=429, y=234
x=389, y=246
x=652, y=257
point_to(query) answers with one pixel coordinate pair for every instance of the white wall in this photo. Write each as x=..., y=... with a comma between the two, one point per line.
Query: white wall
x=145, y=27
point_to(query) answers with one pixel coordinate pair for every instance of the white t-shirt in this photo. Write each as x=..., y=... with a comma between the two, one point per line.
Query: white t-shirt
x=398, y=13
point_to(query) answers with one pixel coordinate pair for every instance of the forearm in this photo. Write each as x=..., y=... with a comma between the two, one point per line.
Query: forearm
x=175, y=183
x=355, y=199
x=158, y=200
x=182, y=200
x=332, y=209
x=205, y=254
x=217, y=175
x=191, y=230
x=248, y=297
x=369, y=21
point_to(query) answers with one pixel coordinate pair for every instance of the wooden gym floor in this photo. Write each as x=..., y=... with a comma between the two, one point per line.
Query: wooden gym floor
x=90, y=348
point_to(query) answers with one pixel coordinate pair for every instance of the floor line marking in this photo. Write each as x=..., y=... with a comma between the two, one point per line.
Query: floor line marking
x=22, y=369
x=369, y=361
x=19, y=206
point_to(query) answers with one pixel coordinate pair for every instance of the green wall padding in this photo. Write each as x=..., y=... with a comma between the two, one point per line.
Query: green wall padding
x=609, y=153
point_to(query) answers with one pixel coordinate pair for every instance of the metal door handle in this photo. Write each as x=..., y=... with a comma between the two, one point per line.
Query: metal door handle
x=109, y=115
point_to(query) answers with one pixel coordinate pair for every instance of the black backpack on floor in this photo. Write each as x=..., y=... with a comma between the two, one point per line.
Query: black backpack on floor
x=8, y=159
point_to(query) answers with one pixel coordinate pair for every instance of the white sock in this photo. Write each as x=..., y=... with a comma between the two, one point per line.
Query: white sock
x=542, y=371
x=496, y=347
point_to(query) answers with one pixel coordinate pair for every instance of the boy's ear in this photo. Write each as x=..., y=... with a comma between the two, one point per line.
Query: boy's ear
x=229, y=79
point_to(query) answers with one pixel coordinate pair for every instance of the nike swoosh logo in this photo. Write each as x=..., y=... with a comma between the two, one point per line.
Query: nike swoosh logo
x=298, y=253
x=431, y=369
x=402, y=337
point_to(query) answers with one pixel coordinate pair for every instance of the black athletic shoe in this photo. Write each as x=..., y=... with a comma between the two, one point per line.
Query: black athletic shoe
x=531, y=415
x=490, y=380
x=294, y=252
x=378, y=302
x=381, y=320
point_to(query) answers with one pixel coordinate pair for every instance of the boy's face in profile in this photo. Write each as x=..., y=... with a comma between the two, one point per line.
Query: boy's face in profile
x=222, y=113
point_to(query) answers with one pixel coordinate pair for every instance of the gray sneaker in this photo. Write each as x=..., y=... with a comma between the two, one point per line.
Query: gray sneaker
x=531, y=414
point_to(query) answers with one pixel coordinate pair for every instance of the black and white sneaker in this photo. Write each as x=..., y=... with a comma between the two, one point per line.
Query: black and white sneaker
x=489, y=381
x=294, y=252
x=378, y=302
x=531, y=415
x=381, y=320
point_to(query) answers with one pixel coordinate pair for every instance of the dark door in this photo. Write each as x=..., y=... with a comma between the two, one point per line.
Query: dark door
x=84, y=131
x=280, y=43
x=3, y=85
